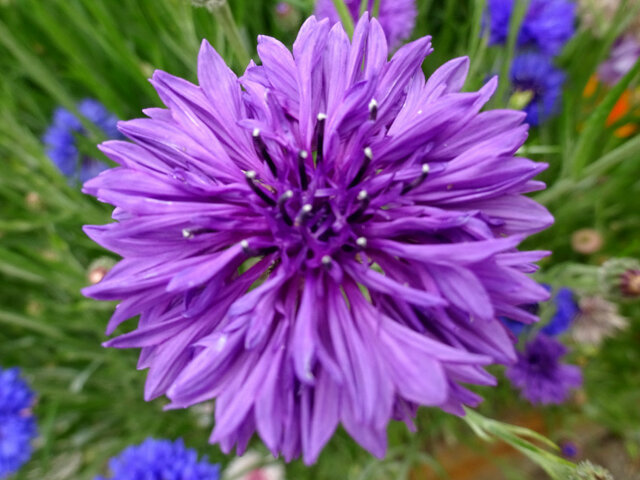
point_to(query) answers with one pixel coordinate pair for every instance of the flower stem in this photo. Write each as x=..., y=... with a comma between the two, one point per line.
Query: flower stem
x=520, y=8
x=376, y=9
x=345, y=16
x=224, y=16
x=364, y=6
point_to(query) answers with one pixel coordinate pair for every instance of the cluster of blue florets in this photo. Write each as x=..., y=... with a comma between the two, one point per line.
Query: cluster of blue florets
x=160, y=460
x=61, y=139
x=546, y=28
x=17, y=423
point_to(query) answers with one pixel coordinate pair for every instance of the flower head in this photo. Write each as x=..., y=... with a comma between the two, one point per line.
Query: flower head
x=547, y=25
x=328, y=239
x=160, y=460
x=397, y=17
x=283, y=8
x=597, y=320
x=17, y=424
x=566, y=311
x=624, y=55
x=619, y=278
x=588, y=471
x=539, y=374
x=534, y=74
x=630, y=283
x=61, y=142
x=569, y=449
x=587, y=241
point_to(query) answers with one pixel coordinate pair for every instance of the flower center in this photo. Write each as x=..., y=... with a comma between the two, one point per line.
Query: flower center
x=310, y=213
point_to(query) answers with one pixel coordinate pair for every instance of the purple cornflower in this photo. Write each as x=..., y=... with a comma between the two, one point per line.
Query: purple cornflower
x=160, y=460
x=624, y=54
x=534, y=75
x=17, y=424
x=60, y=139
x=397, y=17
x=540, y=376
x=328, y=239
x=547, y=26
x=566, y=311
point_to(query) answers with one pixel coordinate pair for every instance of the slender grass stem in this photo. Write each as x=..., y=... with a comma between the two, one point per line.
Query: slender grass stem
x=345, y=16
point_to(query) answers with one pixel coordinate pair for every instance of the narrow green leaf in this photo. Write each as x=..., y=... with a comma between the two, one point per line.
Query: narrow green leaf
x=345, y=16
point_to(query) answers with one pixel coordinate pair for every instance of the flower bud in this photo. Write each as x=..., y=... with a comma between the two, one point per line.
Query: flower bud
x=586, y=241
x=98, y=269
x=589, y=471
x=620, y=277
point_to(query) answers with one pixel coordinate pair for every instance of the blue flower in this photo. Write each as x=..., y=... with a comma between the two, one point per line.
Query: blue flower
x=535, y=74
x=547, y=25
x=540, y=375
x=566, y=311
x=161, y=460
x=60, y=139
x=17, y=424
x=514, y=326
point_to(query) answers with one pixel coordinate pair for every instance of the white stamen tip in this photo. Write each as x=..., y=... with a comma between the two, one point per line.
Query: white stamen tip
x=256, y=132
x=303, y=154
x=307, y=207
x=362, y=195
x=361, y=242
x=250, y=174
x=186, y=233
x=368, y=153
x=373, y=104
x=288, y=194
x=425, y=168
x=322, y=116
x=326, y=260
x=244, y=244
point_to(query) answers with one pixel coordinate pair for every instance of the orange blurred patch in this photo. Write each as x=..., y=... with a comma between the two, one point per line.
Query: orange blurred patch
x=626, y=130
x=621, y=108
x=591, y=87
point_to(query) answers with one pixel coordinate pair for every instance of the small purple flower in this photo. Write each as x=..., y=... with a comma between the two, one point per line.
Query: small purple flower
x=569, y=450
x=566, y=311
x=624, y=55
x=17, y=424
x=329, y=239
x=160, y=460
x=61, y=144
x=283, y=8
x=397, y=17
x=540, y=376
x=547, y=26
x=535, y=75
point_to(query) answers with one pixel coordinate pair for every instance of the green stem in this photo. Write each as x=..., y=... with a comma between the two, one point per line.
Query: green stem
x=520, y=8
x=364, y=6
x=345, y=16
x=224, y=16
x=376, y=9
x=627, y=151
